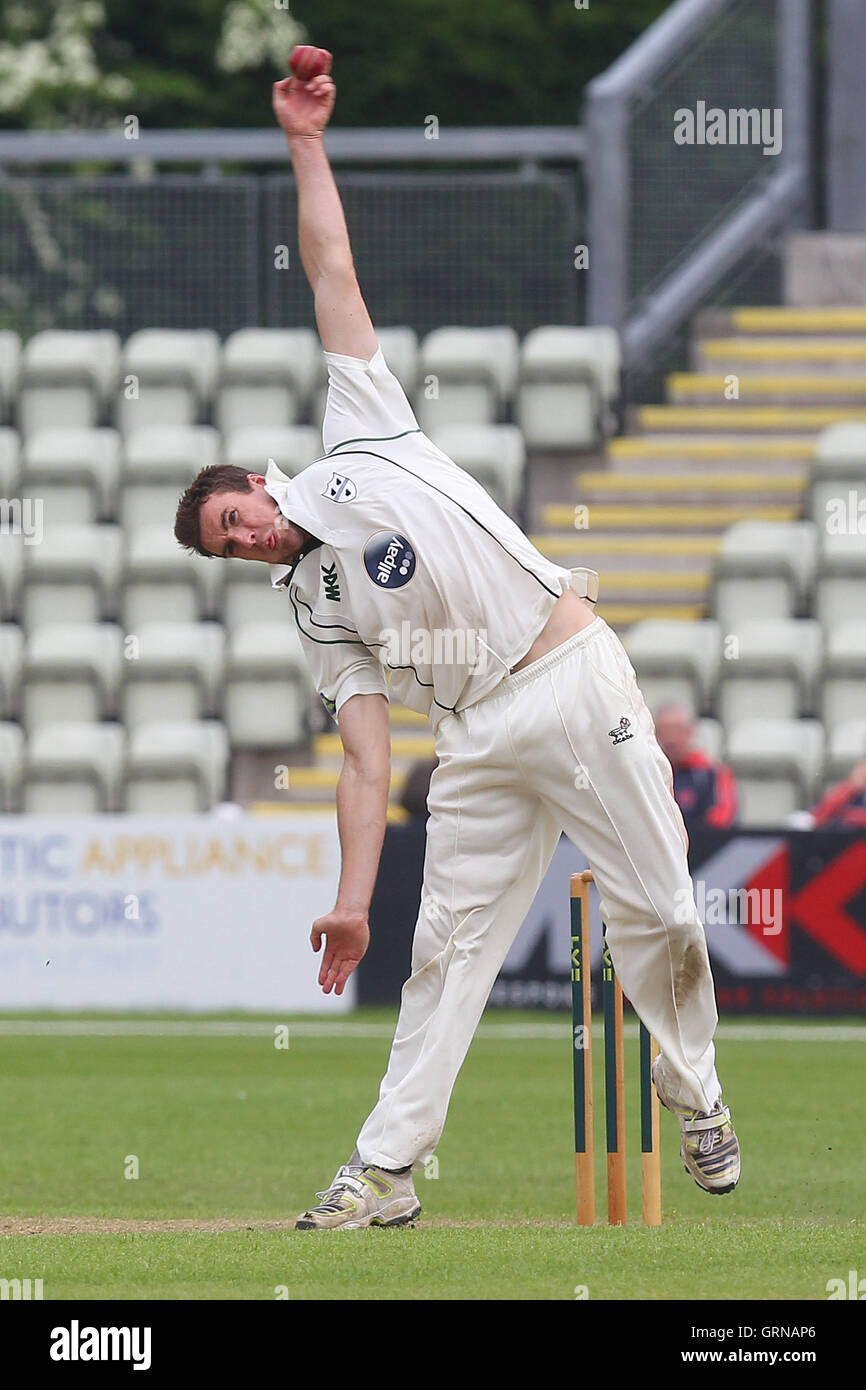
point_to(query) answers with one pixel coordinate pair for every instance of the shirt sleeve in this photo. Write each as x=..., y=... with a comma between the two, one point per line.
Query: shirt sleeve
x=365, y=401
x=340, y=665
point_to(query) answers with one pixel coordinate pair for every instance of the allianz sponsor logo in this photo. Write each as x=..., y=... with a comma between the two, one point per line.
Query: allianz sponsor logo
x=77, y=1343
x=438, y=646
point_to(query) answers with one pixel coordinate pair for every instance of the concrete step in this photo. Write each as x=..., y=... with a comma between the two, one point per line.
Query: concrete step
x=695, y=518
x=704, y=388
x=406, y=748
x=667, y=553
x=318, y=784
x=802, y=354
x=735, y=418
x=622, y=615
x=778, y=453
x=776, y=319
x=724, y=485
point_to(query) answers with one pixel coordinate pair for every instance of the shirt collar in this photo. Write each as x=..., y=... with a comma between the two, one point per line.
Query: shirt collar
x=288, y=498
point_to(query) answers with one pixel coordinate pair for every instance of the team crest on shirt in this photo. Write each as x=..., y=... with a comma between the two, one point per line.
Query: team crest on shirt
x=621, y=732
x=389, y=559
x=340, y=489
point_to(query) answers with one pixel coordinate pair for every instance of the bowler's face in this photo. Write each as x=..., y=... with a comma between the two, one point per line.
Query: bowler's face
x=249, y=526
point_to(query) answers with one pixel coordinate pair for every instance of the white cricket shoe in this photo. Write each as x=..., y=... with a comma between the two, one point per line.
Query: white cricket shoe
x=362, y=1195
x=708, y=1146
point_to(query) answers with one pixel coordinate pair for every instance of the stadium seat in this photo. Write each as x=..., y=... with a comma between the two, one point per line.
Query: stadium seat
x=71, y=672
x=10, y=366
x=568, y=377
x=67, y=378
x=75, y=471
x=172, y=673
x=11, y=765
x=838, y=468
x=495, y=456
x=400, y=350
x=840, y=589
x=268, y=690
x=11, y=659
x=777, y=764
x=266, y=377
x=249, y=597
x=72, y=577
x=176, y=767
x=11, y=573
x=292, y=447
x=765, y=569
x=846, y=746
x=161, y=462
x=675, y=661
x=468, y=376
x=162, y=581
x=73, y=769
x=10, y=462
x=843, y=677
x=772, y=671
x=168, y=377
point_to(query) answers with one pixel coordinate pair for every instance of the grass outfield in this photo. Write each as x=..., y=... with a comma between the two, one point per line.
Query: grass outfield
x=233, y=1136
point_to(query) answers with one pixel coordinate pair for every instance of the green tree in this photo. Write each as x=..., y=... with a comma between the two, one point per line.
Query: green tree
x=211, y=62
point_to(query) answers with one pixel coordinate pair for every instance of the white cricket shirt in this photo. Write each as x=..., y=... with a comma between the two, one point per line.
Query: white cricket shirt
x=422, y=589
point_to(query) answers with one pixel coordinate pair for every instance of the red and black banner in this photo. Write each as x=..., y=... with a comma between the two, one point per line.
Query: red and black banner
x=784, y=911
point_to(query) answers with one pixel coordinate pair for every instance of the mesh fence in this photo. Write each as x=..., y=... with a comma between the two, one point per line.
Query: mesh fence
x=679, y=192
x=470, y=249
x=117, y=253
x=185, y=251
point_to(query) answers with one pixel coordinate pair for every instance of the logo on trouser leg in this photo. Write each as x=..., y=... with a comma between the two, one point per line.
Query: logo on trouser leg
x=621, y=732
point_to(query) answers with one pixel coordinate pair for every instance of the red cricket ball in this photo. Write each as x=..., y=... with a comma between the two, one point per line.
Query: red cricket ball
x=307, y=62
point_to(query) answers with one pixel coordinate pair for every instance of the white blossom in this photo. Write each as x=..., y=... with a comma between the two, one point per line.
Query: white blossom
x=256, y=32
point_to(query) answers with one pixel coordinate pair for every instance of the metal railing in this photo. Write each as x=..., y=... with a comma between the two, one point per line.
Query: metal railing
x=668, y=222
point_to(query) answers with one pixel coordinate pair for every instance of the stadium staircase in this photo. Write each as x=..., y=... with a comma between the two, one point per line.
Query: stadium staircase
x=687, y=470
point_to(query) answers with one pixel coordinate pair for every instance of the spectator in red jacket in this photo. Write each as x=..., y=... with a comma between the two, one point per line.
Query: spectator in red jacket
x=844, y=804
x=705, y=790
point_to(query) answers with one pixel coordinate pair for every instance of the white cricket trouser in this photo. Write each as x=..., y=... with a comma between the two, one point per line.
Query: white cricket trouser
x=532, y=759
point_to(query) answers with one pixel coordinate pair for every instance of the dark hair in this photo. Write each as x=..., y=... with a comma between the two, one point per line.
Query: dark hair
x=220, y=477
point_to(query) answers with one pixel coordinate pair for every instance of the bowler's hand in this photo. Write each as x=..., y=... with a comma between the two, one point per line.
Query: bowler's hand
x=304, y=108
x=346, y=936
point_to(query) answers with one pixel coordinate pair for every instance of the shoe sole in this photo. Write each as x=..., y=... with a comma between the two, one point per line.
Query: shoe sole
x=408, y=1220
x=713, y=1191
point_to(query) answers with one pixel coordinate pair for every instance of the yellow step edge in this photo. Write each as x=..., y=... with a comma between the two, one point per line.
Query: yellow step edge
x=655, y=579
x=631, y=545
x=620, y=613
x=395, y=815
x=690, y=517
x=325, y=778
x=402, y=745
x=707, y=381
x=639, y=447
x=759, y=348
x=734, y=417
x=688, y=482
x=798, y=319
